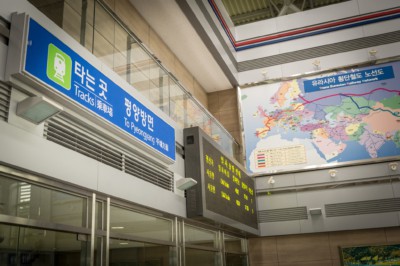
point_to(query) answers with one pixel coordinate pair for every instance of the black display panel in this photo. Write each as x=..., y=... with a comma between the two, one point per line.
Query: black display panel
x=224, y=192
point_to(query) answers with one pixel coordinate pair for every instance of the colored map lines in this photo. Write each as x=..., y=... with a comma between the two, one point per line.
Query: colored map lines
x=370, y=108
x=269, y=120
x=348, y=94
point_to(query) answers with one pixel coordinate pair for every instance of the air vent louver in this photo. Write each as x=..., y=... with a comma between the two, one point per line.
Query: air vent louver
x=68, y=133
x=323, y=50
x=362, y=207
x=5, y=93
x=281, y=215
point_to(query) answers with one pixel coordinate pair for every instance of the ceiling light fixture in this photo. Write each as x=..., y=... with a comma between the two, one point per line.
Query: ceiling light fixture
x=37, y=109
x=372, y=54
x=333, y=173
x=185, y=183
x=317, y=64
x=117, y=227
x=393, y=166
x=315, y=211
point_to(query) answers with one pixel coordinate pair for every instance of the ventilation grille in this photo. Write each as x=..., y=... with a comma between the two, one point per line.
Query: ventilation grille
x=320, y=51
x=362, y=207
x=5, y=93
x=141, y=169
x=280, y=215
x=68, y=133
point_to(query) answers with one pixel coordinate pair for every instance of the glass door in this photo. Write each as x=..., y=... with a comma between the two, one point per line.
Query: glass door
x=23, y=246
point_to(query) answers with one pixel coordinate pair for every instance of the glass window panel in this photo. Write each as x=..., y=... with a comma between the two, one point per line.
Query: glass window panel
x=99, y=250
x=76, y=5
x=226, y=143
x=159, y=88
x=121, y=39
x=100, y=216
x=140, y=59
x=72, y=19
x=89, y=37
x=177, y=103
x=103, y=44
x=44, y=247
x=28, y=246
x=234, y=244
x=89, y=26
x=207, y=122
x=132, y=223
x=216, y=132
x=139, y=70
x=90, y=9
x=121, y=63
x=235, y=259
x=63, y=208
x=103, y=49
x=195, y=257
x=194, y=114
x=8, y=244
x=124, y=252
x=200, y=237
x=104, y=23
x=33, y=202
x=139, y=81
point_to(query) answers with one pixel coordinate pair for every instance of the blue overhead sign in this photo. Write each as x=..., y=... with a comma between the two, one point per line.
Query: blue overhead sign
x=348, y=79
x=54, y=63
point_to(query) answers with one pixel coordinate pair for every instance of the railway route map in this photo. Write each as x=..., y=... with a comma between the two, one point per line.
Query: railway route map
x=343, y=117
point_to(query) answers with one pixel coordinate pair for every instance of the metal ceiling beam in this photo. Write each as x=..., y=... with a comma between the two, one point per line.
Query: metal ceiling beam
x=288, y=6
x=246, y=11
x=264, y=13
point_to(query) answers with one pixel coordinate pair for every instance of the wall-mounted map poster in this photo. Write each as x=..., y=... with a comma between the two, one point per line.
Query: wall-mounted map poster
x=342, y=117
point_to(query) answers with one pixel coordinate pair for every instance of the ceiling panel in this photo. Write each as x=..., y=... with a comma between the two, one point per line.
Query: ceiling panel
x=248, y=11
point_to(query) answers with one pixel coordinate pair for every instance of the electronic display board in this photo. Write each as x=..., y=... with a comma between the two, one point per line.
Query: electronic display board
x=224, y=192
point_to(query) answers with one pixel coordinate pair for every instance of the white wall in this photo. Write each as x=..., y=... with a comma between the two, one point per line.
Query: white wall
x=331, y=190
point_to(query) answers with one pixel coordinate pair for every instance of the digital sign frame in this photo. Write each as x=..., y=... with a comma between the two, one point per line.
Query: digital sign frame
x=224, y=193
x=48, y=64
